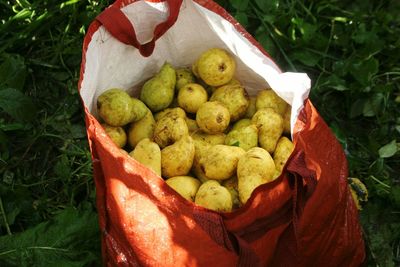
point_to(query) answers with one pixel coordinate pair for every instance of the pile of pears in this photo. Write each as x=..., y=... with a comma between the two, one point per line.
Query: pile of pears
x=200, y=131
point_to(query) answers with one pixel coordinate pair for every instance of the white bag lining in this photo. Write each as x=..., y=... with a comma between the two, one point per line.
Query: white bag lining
x=112, y=64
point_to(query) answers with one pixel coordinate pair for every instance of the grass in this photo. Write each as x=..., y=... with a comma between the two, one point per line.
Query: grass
x=350, y=49
x=45, y=163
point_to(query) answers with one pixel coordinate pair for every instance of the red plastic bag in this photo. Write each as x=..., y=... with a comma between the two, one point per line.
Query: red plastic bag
x=306, y=217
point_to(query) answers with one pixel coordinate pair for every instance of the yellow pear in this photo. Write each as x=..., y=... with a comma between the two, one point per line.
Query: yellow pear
x=215, y=67
x=148, y=153
x=177, y=159
x=186, y=186
x=213, y=196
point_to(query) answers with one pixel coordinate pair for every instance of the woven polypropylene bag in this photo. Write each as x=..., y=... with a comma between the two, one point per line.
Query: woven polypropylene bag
x=306, y=217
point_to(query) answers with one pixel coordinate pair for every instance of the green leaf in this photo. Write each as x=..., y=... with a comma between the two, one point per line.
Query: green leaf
x=17, y=202
x=67, y=3
x=11, y=214
x=357, y=108
x=237, y=143
x=363, y=71
x=15, y=126
x=3, y=141
x=380, y=226
x=377, y=166
x=269, y=18
x=340, y=67
x=240, y=5
x=60, y=76
x=363, y=36
x=388, y=150
x=371, y=48
x=63, y=168
x=395, y=194
x=368, y=110
x=13, y=72
x=374, y=105
x=265, y=40
x=308, y=31
x=338, y=131
x=68, y=240
x=267, y=6
x=307, y=58
x=17, y=105
x=242, y=19
x=337, y=83
x=23, y=14
x=77, y=131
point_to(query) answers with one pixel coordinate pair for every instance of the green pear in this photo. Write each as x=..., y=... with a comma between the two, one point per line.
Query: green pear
x=269, y=99
x=116, y=133
x=251, y=109
x=241, y=124
x=183, y=77
x=139, y=109
x=286, y=120
x=116, y=107
x=192, y=125
x=158, y=92
x=246, y=137
x=232, y=185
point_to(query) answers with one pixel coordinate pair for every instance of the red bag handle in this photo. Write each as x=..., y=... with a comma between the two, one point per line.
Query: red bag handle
x=116, y=22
